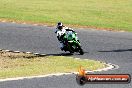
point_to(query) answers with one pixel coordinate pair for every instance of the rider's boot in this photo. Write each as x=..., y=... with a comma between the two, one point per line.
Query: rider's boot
x=62, y=47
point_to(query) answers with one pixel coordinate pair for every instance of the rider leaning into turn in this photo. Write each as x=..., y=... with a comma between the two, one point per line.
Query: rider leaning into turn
x=62, y=30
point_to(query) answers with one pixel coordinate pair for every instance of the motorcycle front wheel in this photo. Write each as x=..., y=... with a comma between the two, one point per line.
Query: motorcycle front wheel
x=80, y=50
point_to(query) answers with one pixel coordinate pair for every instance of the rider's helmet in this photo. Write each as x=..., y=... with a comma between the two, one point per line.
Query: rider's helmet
x=59, y=25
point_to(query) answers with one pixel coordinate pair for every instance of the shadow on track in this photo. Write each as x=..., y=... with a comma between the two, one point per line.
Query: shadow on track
x=119, y=50
x=60, y=54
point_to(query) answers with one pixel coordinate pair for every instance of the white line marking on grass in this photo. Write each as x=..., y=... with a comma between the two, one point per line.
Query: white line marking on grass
x=31, y=77
x=28, y=52
x=16, y=51
x=110, y=66
x=42, y=54
x=7, y=50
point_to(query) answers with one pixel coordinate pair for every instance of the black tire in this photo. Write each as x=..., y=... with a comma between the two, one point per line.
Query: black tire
x=80, y=50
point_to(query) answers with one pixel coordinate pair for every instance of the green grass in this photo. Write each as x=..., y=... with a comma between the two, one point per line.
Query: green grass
x=20, y=64
x=115, y=14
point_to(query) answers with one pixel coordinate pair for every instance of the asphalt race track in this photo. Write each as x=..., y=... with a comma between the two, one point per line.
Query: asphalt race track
x=111, y=47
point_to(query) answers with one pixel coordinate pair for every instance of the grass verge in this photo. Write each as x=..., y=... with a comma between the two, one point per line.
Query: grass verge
x=111, y=14
x=21, y=64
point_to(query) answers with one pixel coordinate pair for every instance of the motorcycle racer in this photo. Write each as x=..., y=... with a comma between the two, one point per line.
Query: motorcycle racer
x=61, y=31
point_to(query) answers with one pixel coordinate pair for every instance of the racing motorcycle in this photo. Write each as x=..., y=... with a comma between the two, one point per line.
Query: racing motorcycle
x=71, y=43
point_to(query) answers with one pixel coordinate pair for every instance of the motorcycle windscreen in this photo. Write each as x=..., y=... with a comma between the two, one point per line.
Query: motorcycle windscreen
x=71, y=36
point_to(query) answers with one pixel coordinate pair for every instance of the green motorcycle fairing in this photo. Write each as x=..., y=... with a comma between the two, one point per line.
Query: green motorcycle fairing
x=71, y=37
